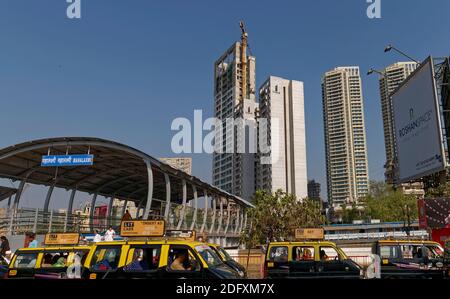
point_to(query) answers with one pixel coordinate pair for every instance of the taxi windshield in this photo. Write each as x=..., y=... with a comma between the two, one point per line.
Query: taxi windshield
x=208, y=255
x=225, y=254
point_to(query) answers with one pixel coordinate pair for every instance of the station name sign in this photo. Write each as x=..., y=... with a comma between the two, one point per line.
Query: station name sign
x=67, y=160
x=142, y=228
x=309, y=233
x=62, y=239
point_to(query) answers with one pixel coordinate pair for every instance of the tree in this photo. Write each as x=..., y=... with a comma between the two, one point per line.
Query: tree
x=442, y=190
x=276, y=216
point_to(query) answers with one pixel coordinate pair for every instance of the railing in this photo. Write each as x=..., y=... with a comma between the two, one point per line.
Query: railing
x=377, y=235
x=37, y=221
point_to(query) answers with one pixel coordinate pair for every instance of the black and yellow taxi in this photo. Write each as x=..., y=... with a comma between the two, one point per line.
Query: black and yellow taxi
x=51, y=262
x=228, y=260
x=410, y=259
x=150, y=251
x=153, y=259
x=309, y=259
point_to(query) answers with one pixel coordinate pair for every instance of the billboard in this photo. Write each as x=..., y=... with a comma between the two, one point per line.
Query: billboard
x=418, y=133
x=434, y=213
x=142, y=228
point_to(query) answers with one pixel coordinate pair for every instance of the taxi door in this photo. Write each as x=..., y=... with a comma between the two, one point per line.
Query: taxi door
x=332, y=265
x=277, y=261
x=104, y=261
x=24, y=263
x=303, y=264
x=191, y=268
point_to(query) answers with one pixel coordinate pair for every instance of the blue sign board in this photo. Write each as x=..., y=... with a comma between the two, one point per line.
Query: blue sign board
x=67, y=160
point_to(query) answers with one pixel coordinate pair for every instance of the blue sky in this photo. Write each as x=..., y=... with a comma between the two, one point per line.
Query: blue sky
x=126, y=69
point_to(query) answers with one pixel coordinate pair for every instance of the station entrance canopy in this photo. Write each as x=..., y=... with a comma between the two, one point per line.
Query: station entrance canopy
x=118, y=171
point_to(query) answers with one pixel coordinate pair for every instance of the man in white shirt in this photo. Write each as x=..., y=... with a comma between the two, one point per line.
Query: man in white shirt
x=109, y=234
x=97, y=237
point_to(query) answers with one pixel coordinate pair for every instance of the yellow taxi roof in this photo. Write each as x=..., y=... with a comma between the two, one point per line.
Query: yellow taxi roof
x=407, y=241
x=326, y=243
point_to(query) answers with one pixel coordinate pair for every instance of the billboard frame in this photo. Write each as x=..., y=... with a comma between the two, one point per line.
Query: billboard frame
x=440, y=128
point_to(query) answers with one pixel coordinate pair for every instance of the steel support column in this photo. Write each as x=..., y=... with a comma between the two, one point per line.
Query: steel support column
x=205, y=212
x=213, y=203
x=110, y=214
x=148, y=205
x=124, y=208
x=183, y=208
x=48, y=197
x=219, y=227
x=194, y=220
x=19, y=194
x=9, y=202
x=228, y=215
x=91, y=212
x=69, y=208
x=238, y=212
x=168, y=197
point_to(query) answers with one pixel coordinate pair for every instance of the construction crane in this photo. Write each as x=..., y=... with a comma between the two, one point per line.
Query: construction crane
x=244, y=44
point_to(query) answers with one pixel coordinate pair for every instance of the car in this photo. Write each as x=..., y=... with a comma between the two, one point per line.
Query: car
x=410, y=259
x=153, y=259
x=309, y=259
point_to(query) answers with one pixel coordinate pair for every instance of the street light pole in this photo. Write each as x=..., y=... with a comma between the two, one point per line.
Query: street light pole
x=391, y=47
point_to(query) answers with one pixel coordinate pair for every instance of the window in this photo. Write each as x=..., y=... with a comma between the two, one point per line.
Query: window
x=143, y=259
x=278, y=254
x=327, y=253
x=182, y=259
x=56, y=259
x=106, y=258
x=25, y=261
x=209, y=255
x=303, y=253
x=389, y=252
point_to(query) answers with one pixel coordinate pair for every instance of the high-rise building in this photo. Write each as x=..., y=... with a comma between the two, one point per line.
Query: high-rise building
x=314, y=190
x=392, y=77
x=234, y=97
x=183, y=164
x=345, y=137
x=281, y=106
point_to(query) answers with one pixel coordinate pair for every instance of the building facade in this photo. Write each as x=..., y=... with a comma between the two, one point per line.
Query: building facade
x=233, y=167
x=281, y=162
x=345, y=137
x=314, y=190
x=183, y=164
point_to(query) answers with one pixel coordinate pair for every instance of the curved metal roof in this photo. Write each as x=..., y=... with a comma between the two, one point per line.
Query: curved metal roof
x=119, y=170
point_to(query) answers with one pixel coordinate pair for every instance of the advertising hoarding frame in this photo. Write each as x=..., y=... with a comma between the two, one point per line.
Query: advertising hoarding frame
x=444, y=164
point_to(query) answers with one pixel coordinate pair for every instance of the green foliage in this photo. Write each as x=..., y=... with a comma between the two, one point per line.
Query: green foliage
x=442, y=190
x=276, y=216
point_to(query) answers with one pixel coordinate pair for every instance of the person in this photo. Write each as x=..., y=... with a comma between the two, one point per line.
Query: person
x=33, y=242
x=5, y=246
x=127, y=216
x=136, y=264
x=323, y=256
x=61, y=262
x=109, y=234
x=47, y=261
x=179, y=261
x=307, y=255
x=97, y=237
